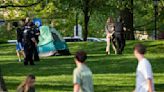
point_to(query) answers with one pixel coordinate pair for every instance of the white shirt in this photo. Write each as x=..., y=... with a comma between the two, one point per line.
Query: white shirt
x=144, y=72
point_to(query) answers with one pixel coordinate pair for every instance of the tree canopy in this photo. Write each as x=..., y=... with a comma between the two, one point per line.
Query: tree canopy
x=91, y=13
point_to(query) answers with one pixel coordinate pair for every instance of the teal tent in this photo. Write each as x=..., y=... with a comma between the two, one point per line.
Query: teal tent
x=51, y=42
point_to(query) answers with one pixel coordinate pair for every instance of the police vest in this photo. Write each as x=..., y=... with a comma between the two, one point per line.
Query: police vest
x=27, y=35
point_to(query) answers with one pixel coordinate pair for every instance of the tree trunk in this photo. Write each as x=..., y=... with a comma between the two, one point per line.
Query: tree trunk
x=127, y=15
x=86, y=19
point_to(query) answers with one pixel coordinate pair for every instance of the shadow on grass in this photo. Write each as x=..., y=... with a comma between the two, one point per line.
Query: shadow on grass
x=69, y=87
x=97, y=87
x=8, y=54
x=159, y=87
x=152, y=46
x=65, y=65
x=44, y=87
x=106, y=88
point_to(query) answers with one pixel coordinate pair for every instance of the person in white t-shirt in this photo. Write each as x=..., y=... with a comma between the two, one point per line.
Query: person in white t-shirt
x=144, y=74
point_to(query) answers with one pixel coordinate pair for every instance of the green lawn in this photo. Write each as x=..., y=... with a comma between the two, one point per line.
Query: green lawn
x=113, y=73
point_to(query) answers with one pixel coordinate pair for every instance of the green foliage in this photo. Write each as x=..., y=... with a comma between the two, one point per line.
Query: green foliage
x=5, y=35
x=110, y=73
x=100, y=10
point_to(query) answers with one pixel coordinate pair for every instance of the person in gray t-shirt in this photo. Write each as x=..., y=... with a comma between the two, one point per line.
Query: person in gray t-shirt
x=82, y=75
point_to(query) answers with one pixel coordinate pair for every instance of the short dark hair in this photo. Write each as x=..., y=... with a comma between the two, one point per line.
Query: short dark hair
x=31, y=76
x=140, y=48
x=81, y=56
x=15, y=24
x=23, y=20
x=31, y=24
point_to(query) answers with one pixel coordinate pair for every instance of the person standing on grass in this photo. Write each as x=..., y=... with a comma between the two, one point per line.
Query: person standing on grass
x=35, y=28
x=82, y=75
x=19, y=43
x=109, y=28
x=29, y=43
x=144, y=74
x=119, y=35
x=27, y=85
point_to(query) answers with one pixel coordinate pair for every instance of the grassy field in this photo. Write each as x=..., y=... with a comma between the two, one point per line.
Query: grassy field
x=112, y=73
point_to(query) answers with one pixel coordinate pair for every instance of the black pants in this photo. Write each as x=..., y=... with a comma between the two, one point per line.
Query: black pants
x=36, y=56
x=28, y=54
x=120, y=40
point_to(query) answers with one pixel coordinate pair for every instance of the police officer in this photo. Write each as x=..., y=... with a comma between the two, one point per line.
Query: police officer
x=35, y=28
x=119, y=35
x=29, y=43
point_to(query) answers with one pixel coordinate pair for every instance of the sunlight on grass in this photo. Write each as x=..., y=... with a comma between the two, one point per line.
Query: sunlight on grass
x=111, y=73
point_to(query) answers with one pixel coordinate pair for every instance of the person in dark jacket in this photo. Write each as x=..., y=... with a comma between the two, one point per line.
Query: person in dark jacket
x=29, y=43
x=36, y=35
x=119, y=35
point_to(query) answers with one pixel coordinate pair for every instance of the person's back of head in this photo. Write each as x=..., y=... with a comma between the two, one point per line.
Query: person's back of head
x=140, y=48
x=31, y=76
x=81, y=56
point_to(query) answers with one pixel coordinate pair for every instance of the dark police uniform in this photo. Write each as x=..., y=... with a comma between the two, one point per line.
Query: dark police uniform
x=28, y=35
x=119, y=37
x=36, y=32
